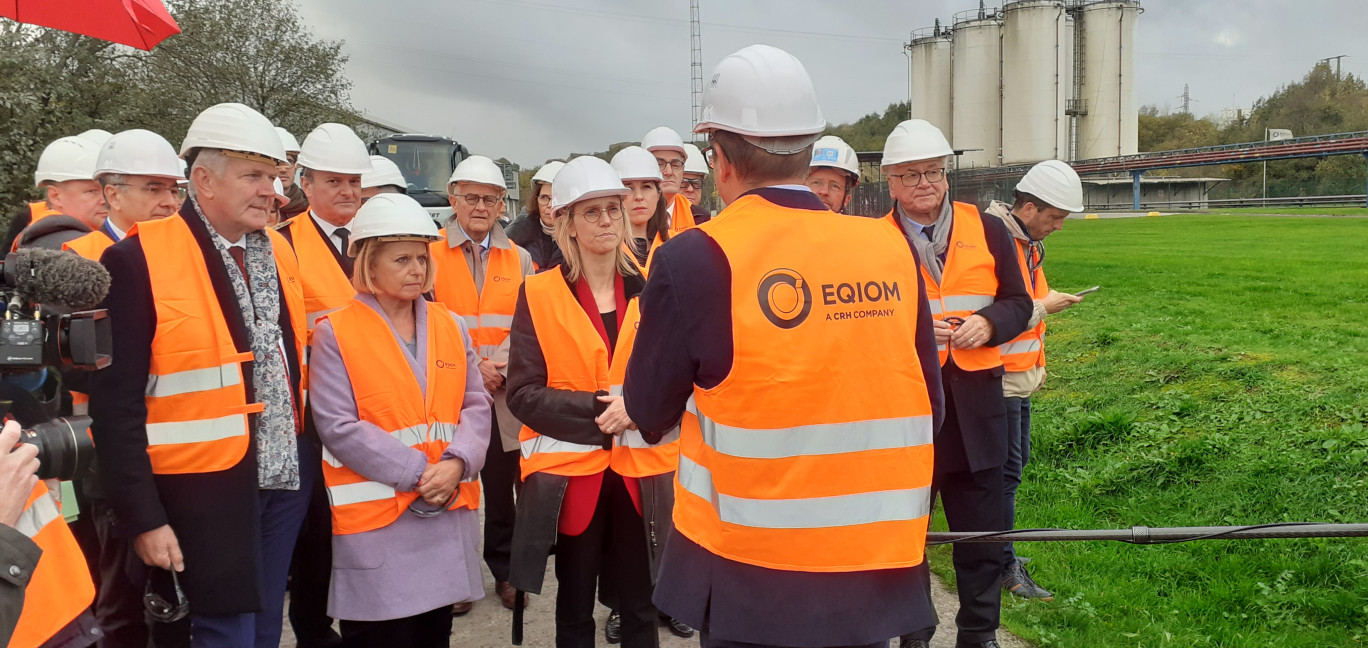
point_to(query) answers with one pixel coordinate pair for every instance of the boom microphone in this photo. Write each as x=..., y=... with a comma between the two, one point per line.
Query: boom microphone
x=56, y=278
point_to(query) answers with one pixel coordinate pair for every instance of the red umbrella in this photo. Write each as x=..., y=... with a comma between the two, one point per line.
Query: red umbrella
x=136, y=23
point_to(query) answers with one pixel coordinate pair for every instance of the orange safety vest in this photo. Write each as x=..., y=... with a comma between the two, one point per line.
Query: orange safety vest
x=968, y=283
x=1027, y=350
x=197, y=405
x=60, y=587
x=815, y=452
x=38, y=210
x=488, y=313
x=681, y=217
x=388, y=396
x=632, y=456
x=650, y=254
x=576, y=360
x=326, y=286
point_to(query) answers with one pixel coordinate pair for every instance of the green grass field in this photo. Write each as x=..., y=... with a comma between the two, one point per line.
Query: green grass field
x=1219, y=377
x=1298, y=211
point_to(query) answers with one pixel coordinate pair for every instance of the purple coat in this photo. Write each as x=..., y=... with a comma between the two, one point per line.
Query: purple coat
x=415, y=564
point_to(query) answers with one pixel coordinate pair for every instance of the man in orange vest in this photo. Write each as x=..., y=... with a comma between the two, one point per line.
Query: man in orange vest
x=670, y=154
x=794, y=348
x=479, y=273
x=968, y=263
x=197, y=425
x=333, y=160
x=1043, y=199
x=73, y=205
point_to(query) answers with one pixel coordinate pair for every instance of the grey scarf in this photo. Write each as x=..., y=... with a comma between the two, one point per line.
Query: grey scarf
x=931, y=251
x=277, y=449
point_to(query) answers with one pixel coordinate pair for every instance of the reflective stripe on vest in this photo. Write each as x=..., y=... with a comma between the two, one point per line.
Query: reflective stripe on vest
x=197, y=406
x=326, y=286
x=968, y=284
x=796, y=461
x=388, y=396
x=487, y=312
x=1027, y=350
x=632, y=456
x=60, y=587
x=576, y=360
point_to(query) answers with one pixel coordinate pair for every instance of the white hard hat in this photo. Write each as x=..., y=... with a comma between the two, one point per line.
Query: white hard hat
x=287, y=140
x=67, y=158
x=139, y=152
x=391, y=215
x=663, y=138
x=335, y=148
x=233, y=127
x=583, y=178
x=915, y=140
x=694, y=162
x=479, y=170
x=383, y=172
x=280, y=192
x=548, y=172
x=1055, y=183
x=97, y=135
x=832, y=151
x=762, y=92
x=636, y=163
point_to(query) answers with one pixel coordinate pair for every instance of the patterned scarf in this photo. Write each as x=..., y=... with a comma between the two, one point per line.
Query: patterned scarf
x=932, y=250
x=277, y=449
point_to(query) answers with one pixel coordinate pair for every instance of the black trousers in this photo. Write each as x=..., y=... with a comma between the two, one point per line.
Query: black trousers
x=431, y=629
x=311, y=572
x=611, y=550
x=500, y=481
x=708, y=642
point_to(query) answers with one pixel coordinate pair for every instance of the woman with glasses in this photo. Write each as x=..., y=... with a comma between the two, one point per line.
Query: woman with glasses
x=531, y=230
x=404, y=419
x=572, y=332
x=647, y=218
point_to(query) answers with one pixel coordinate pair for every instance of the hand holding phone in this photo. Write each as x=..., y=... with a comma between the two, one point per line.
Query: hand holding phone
x=1088, y=291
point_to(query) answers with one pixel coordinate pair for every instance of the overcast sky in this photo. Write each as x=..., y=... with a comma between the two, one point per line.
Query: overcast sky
x=535, y=79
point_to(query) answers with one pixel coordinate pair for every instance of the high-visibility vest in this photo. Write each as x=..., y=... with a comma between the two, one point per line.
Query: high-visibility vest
x=38, y=210
x=90, y=245
x=197, y=405
x=631, y=455
x=576, y=360
x=326, y=286
x=388, y=396
x=968, y=284
x=815, y=452
x=650, y=254
x=60, y=587
x=681, y=217
x=488, y=313
x=1027, y=350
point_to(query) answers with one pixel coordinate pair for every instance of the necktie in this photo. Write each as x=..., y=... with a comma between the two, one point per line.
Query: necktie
x=240, y=256
x=345, y=235
x=477, y=269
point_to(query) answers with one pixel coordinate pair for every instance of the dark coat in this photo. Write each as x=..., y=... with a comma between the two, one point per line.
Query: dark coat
x=214, y=515
x=51, y=232
x=526, y=231
x=560, y=414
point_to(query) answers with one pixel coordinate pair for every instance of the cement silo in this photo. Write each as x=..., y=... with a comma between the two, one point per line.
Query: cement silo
x=976, y=80
x=1110, y=126
x=929, y=76
x=1035, y=81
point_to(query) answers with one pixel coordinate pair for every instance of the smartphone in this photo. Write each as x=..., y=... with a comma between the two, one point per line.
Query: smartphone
x=1088, y=291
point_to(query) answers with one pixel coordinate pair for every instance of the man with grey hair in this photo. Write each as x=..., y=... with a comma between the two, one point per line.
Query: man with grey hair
x=196, y=427
x=968, y=263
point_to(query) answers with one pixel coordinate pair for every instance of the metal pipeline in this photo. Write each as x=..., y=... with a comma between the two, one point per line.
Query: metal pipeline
x=1157, y=535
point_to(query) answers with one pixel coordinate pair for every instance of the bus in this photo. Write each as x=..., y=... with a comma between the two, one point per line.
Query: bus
x=426, y=162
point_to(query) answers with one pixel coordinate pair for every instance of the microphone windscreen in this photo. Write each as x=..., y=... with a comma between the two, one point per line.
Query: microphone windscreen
x=57, y=278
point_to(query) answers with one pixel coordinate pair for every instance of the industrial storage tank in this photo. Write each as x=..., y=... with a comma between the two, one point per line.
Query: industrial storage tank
x=976, y=75
x=1110, y=127
x=929, y=76
x=1035, y=78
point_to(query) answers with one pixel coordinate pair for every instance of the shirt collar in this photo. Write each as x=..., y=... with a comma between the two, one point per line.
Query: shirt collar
x=495, y=238
x=329, y=229
x=240, y=243
x=119, y=234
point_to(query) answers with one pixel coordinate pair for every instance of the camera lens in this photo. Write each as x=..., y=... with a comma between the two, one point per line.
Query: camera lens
x=65, y=449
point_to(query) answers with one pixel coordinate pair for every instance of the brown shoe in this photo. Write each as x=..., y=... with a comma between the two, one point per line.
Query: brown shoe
x=507, y=595
x=461, y=609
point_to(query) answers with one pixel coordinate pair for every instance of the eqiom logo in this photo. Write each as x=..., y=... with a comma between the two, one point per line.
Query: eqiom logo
x=784, y=297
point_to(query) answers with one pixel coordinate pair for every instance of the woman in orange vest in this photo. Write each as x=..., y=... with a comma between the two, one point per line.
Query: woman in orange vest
x=648, y=220
x=571, y=329
x=404, y=419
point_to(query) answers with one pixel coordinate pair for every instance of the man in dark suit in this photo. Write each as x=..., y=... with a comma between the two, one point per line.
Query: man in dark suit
x=969, y=265
x=196, y=424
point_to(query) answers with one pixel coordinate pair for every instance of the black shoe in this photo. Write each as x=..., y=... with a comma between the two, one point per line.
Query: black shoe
x=1017, y=581
x=677, y=628
x=612, y=630
x=906, y=641
x=991, y=643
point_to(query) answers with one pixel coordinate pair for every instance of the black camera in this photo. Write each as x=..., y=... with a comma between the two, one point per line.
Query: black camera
x=65, y=449
x=43, y=293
